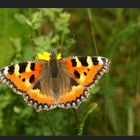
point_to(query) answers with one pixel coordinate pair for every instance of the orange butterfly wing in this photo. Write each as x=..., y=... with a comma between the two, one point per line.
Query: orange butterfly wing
x=86, y=71
x=21, y=79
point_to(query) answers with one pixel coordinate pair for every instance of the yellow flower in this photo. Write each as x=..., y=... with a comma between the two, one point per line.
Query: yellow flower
x=58, y=56
x=46, y=56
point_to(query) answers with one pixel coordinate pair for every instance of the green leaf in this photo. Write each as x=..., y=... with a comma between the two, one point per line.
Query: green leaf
x=91, y=108
x=22, y=19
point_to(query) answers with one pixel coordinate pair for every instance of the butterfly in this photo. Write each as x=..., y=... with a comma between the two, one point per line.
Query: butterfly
x=47, y=84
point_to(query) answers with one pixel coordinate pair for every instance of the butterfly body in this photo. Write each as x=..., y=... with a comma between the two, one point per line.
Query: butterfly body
x=55, y=83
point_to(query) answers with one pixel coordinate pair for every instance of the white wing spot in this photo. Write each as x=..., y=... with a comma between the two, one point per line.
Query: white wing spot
x=100, y=60
x=6, y=70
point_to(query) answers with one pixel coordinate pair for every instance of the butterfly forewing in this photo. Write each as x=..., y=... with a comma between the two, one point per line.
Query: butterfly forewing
x=87, y=70
x=20, y=77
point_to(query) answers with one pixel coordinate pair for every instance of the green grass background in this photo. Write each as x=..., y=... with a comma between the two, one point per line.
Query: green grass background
x=113, y=33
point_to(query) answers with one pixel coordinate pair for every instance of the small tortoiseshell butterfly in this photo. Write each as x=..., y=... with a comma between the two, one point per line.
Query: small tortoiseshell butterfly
x=47, y=84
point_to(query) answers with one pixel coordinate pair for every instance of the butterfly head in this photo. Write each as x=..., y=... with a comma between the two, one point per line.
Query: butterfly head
x=53, y=56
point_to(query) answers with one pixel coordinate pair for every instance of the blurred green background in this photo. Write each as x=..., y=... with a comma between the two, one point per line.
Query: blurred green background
x=113, y=33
